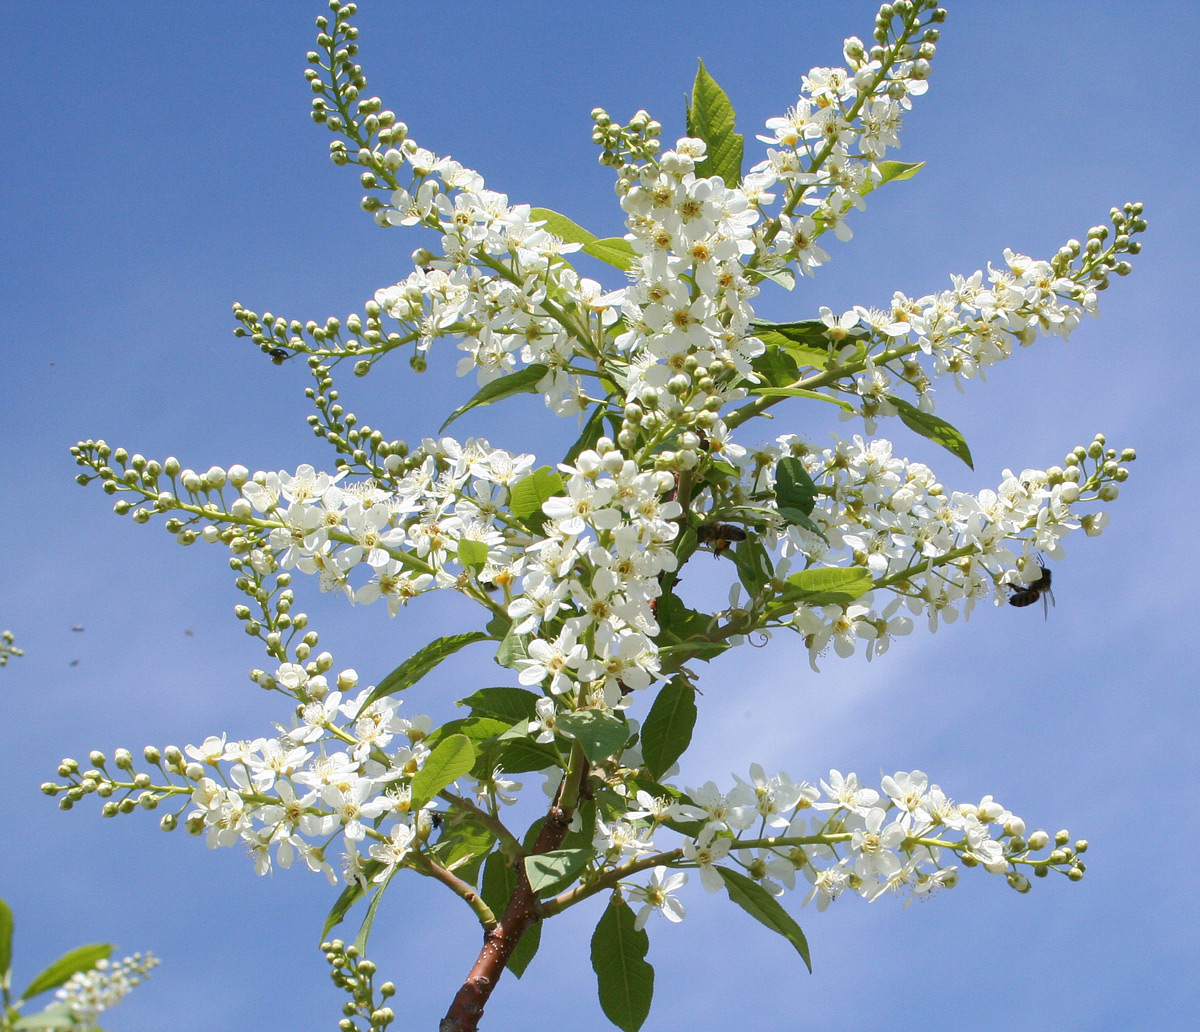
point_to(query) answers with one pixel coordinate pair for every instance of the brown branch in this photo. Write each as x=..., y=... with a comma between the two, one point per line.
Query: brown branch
x=522, y=911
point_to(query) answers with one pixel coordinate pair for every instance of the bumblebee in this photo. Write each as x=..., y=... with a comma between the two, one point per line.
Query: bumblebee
x=279, y=355
x=1028, y=594
x=719, y=536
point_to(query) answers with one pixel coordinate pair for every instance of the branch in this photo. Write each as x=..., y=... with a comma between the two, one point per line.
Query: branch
x=523, y=909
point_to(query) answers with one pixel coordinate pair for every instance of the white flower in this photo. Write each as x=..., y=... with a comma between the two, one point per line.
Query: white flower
x=657, y=896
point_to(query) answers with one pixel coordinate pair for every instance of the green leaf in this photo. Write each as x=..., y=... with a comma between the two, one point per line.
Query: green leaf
x=451, y=759
x=667, y=730
x=804, y=341
x=507, y=704
x=6, y=933
x=531, y=491
x=710, y=117
x=364, y=931
x=937, y=430
x=686, y=629
x=525, y=950
x=472, y=553
x=478, y=729
x=592, y=430
x=56, y=1016
x=599, y=734
x=754, y=566
x=350, y=895
x=518, y=755
x=785, y=277
x=546, y=871
x=762, y=906
x=892, y=171
x=524, y=381
x=615, y=251
x=499, y=882
x=794, y=488
x=800, y=392
x=462, y=846
x=776, y=368
x=561, y=226
x=421, y=662
x=624, y=978
x=514, y=647
x=826, y=586
x=82, y=958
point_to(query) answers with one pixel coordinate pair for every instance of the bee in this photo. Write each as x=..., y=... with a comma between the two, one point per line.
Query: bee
x=719, y=536
x=1028, y=594
x=279, y=355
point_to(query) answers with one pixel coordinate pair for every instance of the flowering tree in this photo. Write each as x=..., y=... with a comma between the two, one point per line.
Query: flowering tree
x=87, y=984
x=577, y=567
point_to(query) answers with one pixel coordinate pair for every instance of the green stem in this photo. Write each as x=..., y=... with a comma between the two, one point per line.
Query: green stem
x=606, y=881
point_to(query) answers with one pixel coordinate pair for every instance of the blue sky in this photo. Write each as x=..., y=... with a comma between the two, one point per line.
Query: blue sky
x=160, y=165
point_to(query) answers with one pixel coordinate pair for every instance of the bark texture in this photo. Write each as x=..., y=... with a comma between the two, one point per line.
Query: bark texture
x=521, y=912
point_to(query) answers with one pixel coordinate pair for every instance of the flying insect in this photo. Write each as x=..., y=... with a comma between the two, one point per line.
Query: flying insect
x=279, y=355
x=1028, y=594
x=719, y=536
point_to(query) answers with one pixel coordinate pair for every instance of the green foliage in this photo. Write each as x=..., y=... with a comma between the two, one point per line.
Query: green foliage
x=82, y=958
x=765, y=908
x=364, y=930
x=624, y=978
x=451, y=759
x=667, y=730
x=893, y=171
x=523, y=381
x=530, y=492
x=616, y=251
x=936, y=429
x=826, y=587
x=6, y=933
x=710, y=117
x=551, y=872
x=422, y=661
x=795, y=494
x=507, y=704
x=350, y=895
x=599, y=734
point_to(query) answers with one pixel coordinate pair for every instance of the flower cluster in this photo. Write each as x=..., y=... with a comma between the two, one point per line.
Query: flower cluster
x=847, y=836
x=88, y=994
x=939, y=552
x=7, y=648
x=345, y=767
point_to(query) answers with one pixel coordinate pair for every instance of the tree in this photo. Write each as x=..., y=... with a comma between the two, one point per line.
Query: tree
x=577, y=566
